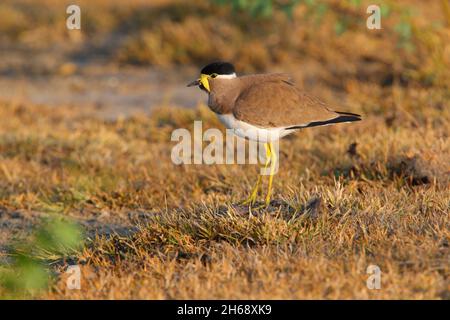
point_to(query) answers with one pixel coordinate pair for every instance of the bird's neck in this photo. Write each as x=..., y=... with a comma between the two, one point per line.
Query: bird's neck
x=223, y=94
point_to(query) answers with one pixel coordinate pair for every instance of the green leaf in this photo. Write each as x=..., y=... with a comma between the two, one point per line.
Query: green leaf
x=58, y=236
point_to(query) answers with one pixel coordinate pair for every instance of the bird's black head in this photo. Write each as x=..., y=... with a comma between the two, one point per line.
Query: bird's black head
x=218, y=68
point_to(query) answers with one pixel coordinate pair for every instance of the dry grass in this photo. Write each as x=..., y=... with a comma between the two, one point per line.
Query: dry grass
x=385, y=203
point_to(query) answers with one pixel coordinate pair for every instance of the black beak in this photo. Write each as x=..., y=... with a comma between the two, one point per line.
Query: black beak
x=194, y=83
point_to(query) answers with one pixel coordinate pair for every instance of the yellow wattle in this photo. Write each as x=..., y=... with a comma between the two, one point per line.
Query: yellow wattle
x=204, y=81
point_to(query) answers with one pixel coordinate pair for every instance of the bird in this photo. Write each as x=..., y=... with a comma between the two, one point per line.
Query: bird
x=263, y=108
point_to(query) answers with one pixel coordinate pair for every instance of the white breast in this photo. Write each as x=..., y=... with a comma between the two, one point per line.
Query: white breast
x=251, y=132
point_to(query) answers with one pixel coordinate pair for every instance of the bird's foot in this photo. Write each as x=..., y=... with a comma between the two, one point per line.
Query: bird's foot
x=250, y=201
x=263, y=205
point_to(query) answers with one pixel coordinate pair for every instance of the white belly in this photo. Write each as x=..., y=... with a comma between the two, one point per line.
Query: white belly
x=251, y=132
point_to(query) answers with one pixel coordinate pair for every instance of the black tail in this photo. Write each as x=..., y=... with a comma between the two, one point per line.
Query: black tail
x=349, y=114
x=343, y=117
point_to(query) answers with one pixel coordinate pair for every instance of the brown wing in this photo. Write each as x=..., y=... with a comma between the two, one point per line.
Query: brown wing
x=278, y=103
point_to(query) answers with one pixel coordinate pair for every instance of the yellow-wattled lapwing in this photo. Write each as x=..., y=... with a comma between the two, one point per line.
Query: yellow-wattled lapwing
x=263, y=107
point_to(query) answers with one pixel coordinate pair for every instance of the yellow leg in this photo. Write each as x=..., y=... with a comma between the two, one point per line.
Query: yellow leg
x=273, y=161
x=252, y=198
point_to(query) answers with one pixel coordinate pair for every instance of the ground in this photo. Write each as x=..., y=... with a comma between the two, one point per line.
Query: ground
x=345, y=197
x=180, y=233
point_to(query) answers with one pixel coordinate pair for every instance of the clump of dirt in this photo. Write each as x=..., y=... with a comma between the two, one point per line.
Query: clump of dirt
x=414, y=169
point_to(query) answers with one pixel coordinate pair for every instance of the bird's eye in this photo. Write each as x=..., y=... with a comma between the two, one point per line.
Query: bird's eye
x=214, y=75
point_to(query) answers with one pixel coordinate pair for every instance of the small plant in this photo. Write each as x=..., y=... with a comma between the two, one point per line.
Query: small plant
x=28, y=272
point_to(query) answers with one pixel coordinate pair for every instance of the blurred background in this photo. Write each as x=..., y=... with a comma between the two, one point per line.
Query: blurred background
x=133, y=55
